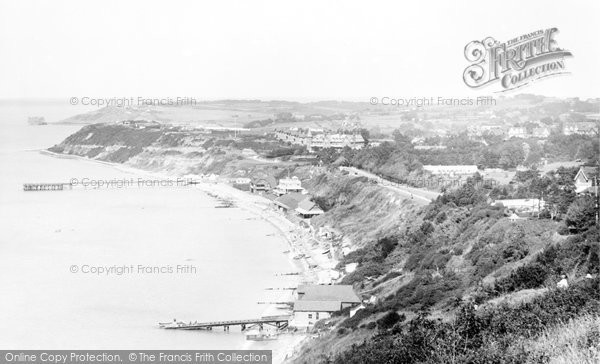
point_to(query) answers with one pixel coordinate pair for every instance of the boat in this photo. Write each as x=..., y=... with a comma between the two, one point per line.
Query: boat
x=261, y=335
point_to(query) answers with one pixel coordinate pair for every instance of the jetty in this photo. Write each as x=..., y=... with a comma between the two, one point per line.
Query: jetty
x=46, y=186
x=280, y=322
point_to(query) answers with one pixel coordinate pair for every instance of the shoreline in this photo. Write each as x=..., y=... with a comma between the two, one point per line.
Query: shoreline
x=294, y=238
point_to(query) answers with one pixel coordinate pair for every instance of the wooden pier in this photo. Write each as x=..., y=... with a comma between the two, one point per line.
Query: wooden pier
x=280, y=322
x=46, y=186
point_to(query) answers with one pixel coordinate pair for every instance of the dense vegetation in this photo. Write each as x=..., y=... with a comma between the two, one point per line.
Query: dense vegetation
x=400, y=160
x=497, y=335
x=444, y=261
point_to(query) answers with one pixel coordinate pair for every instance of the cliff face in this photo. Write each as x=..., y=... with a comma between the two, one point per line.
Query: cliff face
x=362, y=211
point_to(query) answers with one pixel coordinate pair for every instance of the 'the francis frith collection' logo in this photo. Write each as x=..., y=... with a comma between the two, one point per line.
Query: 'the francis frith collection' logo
x=514, y=63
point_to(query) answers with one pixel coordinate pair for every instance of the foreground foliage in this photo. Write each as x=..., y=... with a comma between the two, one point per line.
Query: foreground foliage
x=495, y=335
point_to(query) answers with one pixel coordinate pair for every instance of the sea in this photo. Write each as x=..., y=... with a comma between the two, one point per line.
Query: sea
x=99, y=268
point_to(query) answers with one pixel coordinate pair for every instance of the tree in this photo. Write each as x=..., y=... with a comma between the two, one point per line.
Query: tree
x=365, y=134
x=581, y=214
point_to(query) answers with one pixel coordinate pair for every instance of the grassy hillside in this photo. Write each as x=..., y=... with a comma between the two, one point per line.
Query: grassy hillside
x=459, y=282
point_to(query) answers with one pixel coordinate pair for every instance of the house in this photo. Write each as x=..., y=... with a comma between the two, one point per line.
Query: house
x=288, y=185
x=141, y=124
x=541, y=133
x=317, y=302
x=314, y=138
x=451, y=170
x=262, y=184
x=515, y=132
x=289, y=202
x=307, y=209
x=585, y=179
x=581, y=128
x=481, y=130
x=530, y=205
x=242, y=181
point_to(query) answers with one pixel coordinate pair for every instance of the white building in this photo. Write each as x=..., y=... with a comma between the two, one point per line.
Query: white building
x=541, y=133
x=582, y=128
x=451, y=170
x=308, y=209
x=317, y=302
x=242, y=181
x=289, y=185
x=517, y=133
x=312, y=138
x=338, y=141
x=529, y=205
x=584, y=180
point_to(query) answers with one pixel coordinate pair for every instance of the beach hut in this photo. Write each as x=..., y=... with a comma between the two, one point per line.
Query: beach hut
x=307, y=209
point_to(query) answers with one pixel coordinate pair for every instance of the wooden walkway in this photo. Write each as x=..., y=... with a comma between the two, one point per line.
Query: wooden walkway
x=280, y=322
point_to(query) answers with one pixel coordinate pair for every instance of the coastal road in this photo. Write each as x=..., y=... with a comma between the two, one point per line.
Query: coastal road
x=419, y=195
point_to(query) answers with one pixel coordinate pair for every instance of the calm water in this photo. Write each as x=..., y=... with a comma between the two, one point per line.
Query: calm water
x=43, y=234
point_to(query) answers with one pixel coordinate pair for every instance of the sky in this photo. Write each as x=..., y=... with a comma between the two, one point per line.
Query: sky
x=296, y=50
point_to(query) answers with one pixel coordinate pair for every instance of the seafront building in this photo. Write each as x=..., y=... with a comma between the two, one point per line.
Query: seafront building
x=317, y=302
x=288, y=185
x=307, y=209
x=262, y=183
x=298, y=203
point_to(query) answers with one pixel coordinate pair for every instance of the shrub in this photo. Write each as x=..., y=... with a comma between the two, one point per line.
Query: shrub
x=388, y=320
x=440, y=218
x=496, y=335
x=352, y=322
x=525, y=277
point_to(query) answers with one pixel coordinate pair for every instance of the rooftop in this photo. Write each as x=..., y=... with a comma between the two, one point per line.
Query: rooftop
x=307, y=206
x=341, y=293
x=589, y=172
x=290, y=201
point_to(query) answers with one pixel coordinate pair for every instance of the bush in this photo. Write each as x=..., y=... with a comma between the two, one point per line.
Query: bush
x=497, y=335
x=388, y=320
x=525, y=277
x=352, y=322
x=440, y=218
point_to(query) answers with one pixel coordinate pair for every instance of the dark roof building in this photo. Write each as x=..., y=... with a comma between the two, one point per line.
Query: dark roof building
x=320, y=292
x=262, y=183
x=317, y=302
x=307, y=208
x=317, y=306
x=290, y=201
